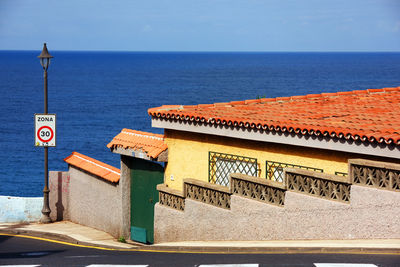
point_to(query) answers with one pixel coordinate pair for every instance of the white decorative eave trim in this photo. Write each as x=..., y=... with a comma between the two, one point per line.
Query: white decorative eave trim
x=321, y=142
x=143, y=135
x=163, y=157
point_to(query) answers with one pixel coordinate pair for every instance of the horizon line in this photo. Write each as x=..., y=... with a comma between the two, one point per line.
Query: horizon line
x=210, y=51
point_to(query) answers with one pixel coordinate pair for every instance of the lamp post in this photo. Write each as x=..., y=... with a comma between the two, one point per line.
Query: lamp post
x=45, y=62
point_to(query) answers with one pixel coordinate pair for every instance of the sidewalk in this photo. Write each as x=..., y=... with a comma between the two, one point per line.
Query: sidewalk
x=68, y=232
x=77, y=234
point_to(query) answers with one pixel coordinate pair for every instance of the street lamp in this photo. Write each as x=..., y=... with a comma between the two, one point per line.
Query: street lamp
x=45, y=62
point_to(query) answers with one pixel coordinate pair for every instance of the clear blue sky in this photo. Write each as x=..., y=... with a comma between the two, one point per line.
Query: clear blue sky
x=201, y=25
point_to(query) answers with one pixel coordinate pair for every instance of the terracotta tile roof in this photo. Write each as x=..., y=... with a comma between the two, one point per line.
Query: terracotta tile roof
x=149, y=143
x=367, y=115
x=93, y=166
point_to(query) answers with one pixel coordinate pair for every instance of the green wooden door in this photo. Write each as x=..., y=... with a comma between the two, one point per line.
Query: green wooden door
x=145, y=176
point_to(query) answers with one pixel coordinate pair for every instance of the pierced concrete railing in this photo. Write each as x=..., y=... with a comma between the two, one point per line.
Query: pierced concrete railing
x=263, y=190
x=375, y=174
x=369, y=173
x=171, y=198
x=216, y=195
x=327, y=186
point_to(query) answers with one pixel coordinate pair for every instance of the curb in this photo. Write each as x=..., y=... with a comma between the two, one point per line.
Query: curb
x=61, y=238
x=270, y=250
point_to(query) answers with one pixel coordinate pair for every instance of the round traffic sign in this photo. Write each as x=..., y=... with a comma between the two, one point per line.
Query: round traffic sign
x=45, y=134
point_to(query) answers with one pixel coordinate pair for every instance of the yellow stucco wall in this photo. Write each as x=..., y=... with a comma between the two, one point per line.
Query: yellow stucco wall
x=188, y=155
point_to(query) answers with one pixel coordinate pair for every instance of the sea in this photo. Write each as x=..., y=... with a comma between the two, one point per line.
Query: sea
x=97, y=94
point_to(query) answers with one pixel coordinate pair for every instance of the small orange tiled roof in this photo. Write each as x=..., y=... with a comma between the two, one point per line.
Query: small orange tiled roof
x=149, y=143
x=93, y=166
x=367, y=115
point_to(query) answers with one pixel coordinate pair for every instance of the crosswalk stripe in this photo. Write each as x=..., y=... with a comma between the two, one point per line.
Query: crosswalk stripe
x=344, y=265
x=113, y=265
x=230, y=265
x=92, y=265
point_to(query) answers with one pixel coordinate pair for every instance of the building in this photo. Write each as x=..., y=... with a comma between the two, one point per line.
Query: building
x=320, y=166
x=259, y=137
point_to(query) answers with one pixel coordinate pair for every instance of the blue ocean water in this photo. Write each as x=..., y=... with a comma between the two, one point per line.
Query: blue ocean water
x=96, y=94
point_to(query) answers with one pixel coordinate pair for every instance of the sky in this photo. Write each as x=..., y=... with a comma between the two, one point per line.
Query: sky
x=201, y=25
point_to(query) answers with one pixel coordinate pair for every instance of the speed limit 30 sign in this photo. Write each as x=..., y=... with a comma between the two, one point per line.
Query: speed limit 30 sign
x=45, y=129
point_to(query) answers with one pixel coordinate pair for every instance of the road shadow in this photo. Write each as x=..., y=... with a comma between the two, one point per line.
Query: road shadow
x=28, y=254
x=11, y=229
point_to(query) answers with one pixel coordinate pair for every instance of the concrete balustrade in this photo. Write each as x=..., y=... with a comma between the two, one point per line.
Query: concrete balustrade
x=306, y=210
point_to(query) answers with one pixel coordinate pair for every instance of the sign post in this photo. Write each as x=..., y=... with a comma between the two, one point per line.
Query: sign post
x=45, y=130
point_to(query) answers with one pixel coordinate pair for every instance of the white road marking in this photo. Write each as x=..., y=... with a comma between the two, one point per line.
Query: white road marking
x=19, y=265
x=230, y=265
x=344, y=265
x=113, y=265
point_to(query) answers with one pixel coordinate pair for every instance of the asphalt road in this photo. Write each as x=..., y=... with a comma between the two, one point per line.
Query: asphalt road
x=27, y=251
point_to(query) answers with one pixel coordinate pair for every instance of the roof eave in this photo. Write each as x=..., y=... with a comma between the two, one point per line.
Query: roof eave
x=320, y=142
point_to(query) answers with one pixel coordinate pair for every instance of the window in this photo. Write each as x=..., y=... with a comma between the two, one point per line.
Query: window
x=221, y=165
x=275, y=169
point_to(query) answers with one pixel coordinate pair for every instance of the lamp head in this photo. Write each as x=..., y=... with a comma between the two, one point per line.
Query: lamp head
x=45, y=57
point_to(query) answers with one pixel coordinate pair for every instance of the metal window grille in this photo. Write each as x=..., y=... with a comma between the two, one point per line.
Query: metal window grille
x=275, y=169
x=221, y=165
x=341, y=173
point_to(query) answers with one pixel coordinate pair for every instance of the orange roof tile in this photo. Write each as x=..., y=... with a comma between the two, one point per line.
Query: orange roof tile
x=149, y=143
x=367, y=115
x=93, y=166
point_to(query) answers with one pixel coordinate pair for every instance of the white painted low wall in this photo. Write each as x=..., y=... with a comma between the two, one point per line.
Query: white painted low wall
x=20, y=209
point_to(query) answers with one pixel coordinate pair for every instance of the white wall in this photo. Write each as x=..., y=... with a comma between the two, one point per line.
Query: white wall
x=20, y=209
